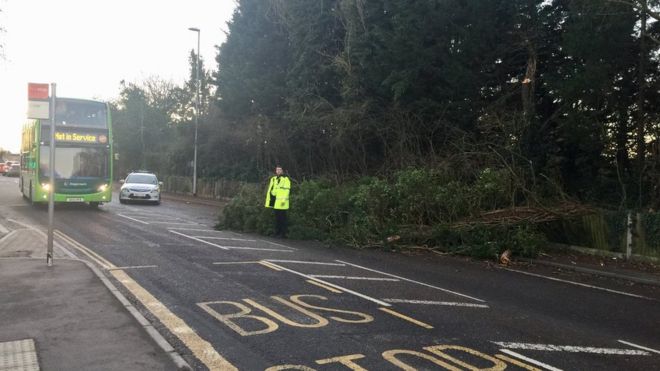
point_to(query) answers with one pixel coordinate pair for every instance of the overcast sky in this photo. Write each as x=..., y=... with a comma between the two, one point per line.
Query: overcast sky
x=88, y=46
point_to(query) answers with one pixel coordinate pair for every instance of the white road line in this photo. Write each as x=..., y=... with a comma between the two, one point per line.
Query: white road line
x=133, y=267
x=379, y=302
x=225, y=238
x=355, y=278
x=196, y=230
x=279, y=244
x=182, y=223
x=579, y=284
x=133, y=219
x=639, y=346
x=198, y=240
x=255, y=248
x=231, y=263
x=304, y=262
x=3, y=229
x=572, y=349
x=530, y=360
x=431, y=302
x=412, y=281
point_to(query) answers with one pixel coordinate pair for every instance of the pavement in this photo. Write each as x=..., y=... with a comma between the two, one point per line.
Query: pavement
x=69, y=316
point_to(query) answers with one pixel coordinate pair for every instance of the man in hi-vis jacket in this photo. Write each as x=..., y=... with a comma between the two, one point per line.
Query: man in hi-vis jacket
x=277, y=198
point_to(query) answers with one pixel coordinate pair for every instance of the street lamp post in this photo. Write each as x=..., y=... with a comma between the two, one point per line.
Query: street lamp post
x=196, y=111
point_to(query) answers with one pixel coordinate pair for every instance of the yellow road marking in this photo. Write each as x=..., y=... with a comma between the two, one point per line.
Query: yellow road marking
x=319, y=284
x=404, y=317
x=516, y=362
x=271, y=266
x=344, y=360
x=82, y=248
x=201, y=348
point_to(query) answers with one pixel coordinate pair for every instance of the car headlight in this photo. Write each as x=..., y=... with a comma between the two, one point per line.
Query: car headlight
x=45, y=187
x=103, y=187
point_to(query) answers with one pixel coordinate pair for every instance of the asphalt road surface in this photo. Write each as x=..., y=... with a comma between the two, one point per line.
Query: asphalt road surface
x=227, y=300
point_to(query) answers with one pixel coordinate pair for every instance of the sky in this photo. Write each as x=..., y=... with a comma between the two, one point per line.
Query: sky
x=87, y=47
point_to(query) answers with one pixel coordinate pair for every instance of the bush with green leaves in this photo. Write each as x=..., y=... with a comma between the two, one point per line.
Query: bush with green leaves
x=418, y=205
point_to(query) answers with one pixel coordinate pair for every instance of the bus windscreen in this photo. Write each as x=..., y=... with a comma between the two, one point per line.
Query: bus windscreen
x=73, y=163
x=81, y=113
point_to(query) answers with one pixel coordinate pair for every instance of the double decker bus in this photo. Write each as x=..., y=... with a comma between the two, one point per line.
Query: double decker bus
x=83, y=154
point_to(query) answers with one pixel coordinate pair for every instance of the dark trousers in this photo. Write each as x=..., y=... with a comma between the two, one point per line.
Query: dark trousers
x=280, y=223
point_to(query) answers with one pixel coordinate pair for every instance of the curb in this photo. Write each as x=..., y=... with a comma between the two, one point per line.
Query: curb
x=646, y=281
x=181, y=363
x=192, y=200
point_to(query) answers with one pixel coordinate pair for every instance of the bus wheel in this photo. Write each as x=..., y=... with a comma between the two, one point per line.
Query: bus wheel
x=94, y=205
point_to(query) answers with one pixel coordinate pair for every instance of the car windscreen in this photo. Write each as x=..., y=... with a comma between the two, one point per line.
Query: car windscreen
x=142, y=179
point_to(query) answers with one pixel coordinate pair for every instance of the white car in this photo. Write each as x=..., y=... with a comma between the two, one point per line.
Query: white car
x=140, y=186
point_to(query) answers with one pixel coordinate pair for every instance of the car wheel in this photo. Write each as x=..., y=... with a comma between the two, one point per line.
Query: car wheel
x=122, y=201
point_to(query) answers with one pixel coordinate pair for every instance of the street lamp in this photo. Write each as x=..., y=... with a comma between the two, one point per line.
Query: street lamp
x=196, y=111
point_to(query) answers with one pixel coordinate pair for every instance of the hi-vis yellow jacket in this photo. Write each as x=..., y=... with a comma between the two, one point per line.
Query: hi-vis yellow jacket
x=277, y=196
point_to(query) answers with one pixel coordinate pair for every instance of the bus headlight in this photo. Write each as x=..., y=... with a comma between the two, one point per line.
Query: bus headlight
x=45, y=187
x=103, y=187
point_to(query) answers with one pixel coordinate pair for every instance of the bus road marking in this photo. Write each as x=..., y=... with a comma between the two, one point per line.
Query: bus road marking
x=379, y=302
x=412, y=281
x=572, y=349
x=133, y=219
x=133, y=267
x=639, y=346
x=530, y=360
x=355, y=278
x=199, y=240
x=406, y=318
x=516, y=362
x=331, y=289
x=432, y=302
x=578, y=284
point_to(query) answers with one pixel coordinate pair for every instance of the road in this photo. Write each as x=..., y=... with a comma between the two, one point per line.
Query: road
x=227, y=300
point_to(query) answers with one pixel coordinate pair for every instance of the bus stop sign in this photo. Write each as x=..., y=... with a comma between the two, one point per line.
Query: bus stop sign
x=38, y=103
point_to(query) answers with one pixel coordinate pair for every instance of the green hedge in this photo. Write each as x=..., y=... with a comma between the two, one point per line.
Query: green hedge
x=418, y=205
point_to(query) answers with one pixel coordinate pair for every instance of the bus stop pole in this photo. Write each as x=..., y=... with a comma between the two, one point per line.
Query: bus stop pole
x=51, y=175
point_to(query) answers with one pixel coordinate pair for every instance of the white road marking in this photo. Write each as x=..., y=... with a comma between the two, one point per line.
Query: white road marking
x=133, y=219
x=413, y=281
x=279, y=244
x=579, y=284
x=133, y=267
x=223, y=238
x=181, y=223
x=355, y=278
x=530, y=360
x=199, y=240
x=431, y=302
x=639, y=346
x=3, y=229
x=230, y=263
x=255, y=248
x=379, y=302
x=304, y=262
x=572, y=349
x=197, y=230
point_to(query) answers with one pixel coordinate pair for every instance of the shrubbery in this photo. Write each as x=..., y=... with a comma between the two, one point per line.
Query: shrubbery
x=417, y=205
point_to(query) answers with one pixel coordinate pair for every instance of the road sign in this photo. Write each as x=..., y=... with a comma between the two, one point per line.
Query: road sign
x=38, y=103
